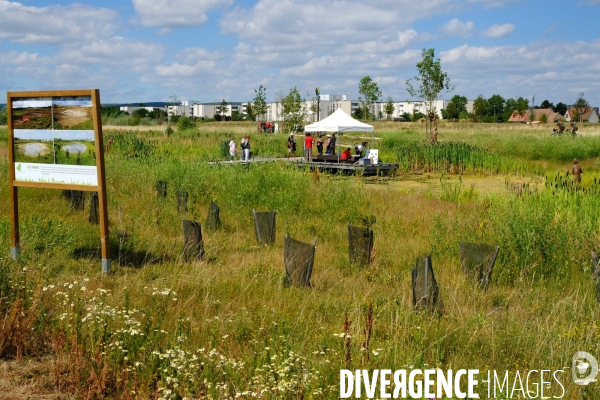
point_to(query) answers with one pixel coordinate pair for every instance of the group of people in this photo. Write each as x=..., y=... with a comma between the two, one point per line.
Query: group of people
x=328, y=145
x=245, y=145
x=560, y=128
x=265, y=127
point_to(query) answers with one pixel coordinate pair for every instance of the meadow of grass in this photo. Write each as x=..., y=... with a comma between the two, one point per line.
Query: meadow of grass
x=225, y=327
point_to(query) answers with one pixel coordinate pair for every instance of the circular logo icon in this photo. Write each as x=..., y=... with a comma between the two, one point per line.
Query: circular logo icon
x=584, y=368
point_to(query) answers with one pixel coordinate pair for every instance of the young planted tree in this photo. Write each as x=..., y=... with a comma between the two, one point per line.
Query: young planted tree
x=293, y=110
x=260, y=102
x=250, y=111
x=222, y=109
x=369, y=94
x=429, y=84
x=389, y=108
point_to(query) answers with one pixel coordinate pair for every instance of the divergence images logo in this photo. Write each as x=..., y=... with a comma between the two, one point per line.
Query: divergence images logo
x=584, y=368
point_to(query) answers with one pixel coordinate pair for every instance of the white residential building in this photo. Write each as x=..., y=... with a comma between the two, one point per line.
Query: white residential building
x=411, y=107
x=315, y=111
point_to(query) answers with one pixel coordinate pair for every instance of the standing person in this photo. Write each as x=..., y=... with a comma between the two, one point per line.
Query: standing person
x=320, y=143
x=328, y=145
x=576, y=171
x=332, y=143
x=291, y=146
x=247, y=148
x=308, y=143
x=232, y=149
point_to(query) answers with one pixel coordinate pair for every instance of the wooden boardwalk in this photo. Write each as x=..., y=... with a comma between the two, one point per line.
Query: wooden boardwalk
x=385, y=169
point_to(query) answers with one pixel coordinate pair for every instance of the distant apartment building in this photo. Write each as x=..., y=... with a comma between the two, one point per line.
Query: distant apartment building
x=411, y=107
x=314, y=110
x=209, y=110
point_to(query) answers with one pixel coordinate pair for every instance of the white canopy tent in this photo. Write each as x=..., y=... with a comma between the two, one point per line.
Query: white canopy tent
x=339, y=122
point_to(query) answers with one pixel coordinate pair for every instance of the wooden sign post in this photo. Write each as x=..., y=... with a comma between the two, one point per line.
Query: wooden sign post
x=55, y=142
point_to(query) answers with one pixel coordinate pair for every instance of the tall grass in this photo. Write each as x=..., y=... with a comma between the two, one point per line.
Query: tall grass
x=225, y=327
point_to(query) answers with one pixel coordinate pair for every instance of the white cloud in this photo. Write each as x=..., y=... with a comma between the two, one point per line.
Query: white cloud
x=175, y=13
x=177, y=70
x=498, y=31
x=54, y=24
x=457, y=28
x=593, y=2
x=496, y=3
x=133, y=55
x=552, y=70
x=316, y=24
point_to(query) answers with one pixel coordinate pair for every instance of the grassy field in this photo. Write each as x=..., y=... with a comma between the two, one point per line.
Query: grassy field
x=226, y=327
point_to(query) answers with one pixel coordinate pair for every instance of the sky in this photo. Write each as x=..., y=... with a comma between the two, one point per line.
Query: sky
x=209, y=50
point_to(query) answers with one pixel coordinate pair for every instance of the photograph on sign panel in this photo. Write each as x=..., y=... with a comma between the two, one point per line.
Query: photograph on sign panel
x=74, y=113
x=73, y=147
x=34, y=146
x=32, y=113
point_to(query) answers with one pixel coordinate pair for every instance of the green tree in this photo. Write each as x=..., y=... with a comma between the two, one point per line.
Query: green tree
x=293, y=110
x=460, y=102
x=560, y=108
x=260, y=102
x=495, y=105
x=581, y=105
x=509, y=107
x=185, y=123
x=389, y=108
x=430, y=82
x=222, y=109
x=369, y=93
x=250, y=112
x=457, y=104
x=546, y=104
x=480, y=106
x=521, y=106
x=406, y=115
x=358, y=114
x=141, y=112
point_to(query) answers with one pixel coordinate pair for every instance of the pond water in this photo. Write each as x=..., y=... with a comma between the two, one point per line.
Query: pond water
x=75, y=148
x=34, y=149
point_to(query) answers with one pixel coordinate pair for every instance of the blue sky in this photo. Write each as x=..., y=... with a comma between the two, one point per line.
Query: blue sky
x=207, y=50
